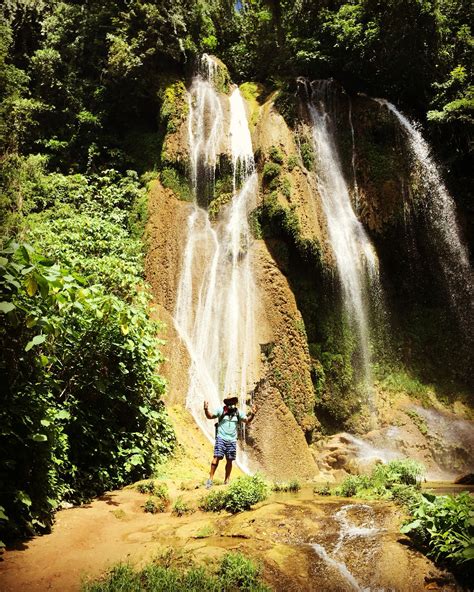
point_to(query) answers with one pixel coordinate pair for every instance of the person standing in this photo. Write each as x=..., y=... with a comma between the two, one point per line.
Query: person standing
x=229, y=417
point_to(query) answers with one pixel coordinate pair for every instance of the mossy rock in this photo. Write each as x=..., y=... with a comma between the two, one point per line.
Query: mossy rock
x=174, y=105
x=177, y=182
x=217, y=204
x=276, y=155
x=307, y=155
x=251, y=92
x=286, y=104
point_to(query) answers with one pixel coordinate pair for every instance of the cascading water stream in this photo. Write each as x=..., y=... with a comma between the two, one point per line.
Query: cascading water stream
x=356, y=262
x=441, y=217
x=216, y=293
x=351, y=534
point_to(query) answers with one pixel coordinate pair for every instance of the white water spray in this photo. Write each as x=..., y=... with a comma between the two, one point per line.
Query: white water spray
x=216, y=293
x=442, y=219
x=356, y=262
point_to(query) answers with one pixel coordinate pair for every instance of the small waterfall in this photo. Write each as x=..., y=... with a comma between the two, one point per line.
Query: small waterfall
x=441, y=218
x=356, y=262
x=353, y=159
x=216, y=295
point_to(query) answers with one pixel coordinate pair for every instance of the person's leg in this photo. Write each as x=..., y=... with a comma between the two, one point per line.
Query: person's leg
x=218, y=455
x=214, y=465
x=230, y=454
x=228, y=470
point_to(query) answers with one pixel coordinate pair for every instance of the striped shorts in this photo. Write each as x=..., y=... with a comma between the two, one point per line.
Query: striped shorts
x=225, y=448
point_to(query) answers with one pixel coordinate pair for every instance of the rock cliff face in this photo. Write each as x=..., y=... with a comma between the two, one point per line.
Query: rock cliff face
x=306, y=382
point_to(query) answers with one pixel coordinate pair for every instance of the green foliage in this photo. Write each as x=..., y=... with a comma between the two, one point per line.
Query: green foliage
x=322, y=490
x=153, y=506
x=234, y=572
x=286, y=104
x=241, y=495
x=292, y=162
x=292, y=486
x=271, y=170
x=404, y=472
x=174, y=106
x=205, y=532
x=398, y=480
x=180, y=507
x=175, y=181
x=418, y=421
x=214, y=501
x=276, y=155
x=159, y=490
x=81, y=392
x=307, y=155
x=443, y=527
x=240, y=573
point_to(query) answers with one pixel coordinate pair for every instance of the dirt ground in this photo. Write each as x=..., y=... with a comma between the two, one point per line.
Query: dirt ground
x=282, y=533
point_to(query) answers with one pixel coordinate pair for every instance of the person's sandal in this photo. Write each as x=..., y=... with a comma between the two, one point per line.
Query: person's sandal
x=208, y=484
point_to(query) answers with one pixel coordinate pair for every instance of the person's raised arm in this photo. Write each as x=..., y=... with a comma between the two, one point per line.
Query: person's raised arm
x=250, y=415
x=206, y=411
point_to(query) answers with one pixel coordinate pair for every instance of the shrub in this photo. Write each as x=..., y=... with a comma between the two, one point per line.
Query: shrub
x=214, y=501
x=146, y=487
x=275, y=155
x=271, y=170
x=239, y=496
x=154, y=506
x=405, y=471
x=180, y=507
x=237, y=571
x=80, y=389
x=244, y=492
x=292, y=162
x=385, y=481
x=443, y=527
x=307, y=155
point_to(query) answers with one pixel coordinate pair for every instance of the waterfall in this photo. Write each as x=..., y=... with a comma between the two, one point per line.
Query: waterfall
x=441, y=218
x=216, y=294
x=356, y=261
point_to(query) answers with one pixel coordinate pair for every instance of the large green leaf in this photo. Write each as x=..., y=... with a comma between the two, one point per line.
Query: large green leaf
x=37, y=340
x=6, y=307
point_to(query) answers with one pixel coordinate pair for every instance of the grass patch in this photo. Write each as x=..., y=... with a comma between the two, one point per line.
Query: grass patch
x=205, y=532
x=241, y=495
x=154, y=506
x=180, y=507
x=235, y=572
x=292, y=486
x=322, y=490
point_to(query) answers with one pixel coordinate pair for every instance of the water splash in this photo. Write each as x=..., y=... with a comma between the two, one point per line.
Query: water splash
x=216, y=294
x=441, y=216
x=356, y=261
x=368, y=453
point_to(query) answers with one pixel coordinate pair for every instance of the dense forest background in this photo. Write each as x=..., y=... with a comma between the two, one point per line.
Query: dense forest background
x=83, y=112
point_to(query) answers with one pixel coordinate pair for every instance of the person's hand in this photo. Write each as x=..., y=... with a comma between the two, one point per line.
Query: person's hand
x=254, y=409
x=206, y=405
